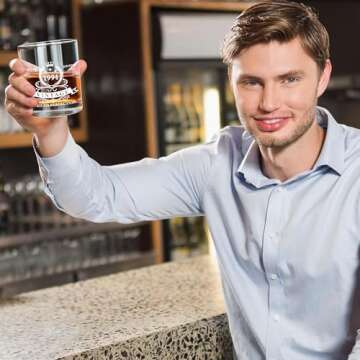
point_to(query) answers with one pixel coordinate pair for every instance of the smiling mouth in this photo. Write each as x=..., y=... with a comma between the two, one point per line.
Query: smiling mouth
x=272, y=123
x=271, y=119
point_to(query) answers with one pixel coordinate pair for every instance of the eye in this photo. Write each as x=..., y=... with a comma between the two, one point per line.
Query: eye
x=291, y=79
x=249, y=82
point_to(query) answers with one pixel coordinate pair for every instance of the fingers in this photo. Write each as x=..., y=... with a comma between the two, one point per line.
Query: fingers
x=18, y=95
x=13, y=95
x=83, y=66
x=80, y=66
x=17, y=79
x=21, y=84
x=17, y=111
x=17, y=66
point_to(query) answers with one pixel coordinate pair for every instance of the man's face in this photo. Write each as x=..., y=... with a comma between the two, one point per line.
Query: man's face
x=276, y=87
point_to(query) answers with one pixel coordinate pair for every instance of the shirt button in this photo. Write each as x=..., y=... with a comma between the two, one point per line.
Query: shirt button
x=273, y=238
x=273, y=276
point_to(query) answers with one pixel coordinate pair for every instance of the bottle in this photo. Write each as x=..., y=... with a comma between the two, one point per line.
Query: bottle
x=183, y=121
x=187, y=115
x=5, y=119
x=170, y=118
x=2, y=16
x=197, y=100
x=12, y=11
x=51, y=20
x=175, y=100
x=22, y=23
x=194, y=120
x=177, y=232
x=230, y=113
x=37, y=21
x=18, y=206
x=63, y=18
x=5, y=29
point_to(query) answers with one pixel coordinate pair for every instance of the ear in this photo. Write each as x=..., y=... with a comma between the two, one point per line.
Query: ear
x=324, y=78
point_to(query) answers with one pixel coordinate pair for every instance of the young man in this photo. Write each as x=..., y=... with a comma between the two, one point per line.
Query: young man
x=281, y=193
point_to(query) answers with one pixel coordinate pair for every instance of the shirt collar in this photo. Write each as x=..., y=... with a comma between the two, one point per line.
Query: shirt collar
x=333, y=151
x=332, y=154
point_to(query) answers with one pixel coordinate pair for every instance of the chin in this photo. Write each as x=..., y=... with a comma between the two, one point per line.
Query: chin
x=273, y=140
x=274, y=143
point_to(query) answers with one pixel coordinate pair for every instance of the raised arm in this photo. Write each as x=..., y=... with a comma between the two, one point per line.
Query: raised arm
x=144, y=190
x=148, y=189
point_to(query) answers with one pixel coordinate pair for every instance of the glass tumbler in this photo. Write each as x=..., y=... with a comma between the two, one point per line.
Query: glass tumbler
x=51, y=70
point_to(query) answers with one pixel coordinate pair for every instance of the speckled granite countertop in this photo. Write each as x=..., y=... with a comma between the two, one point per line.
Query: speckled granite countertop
x=168, y=311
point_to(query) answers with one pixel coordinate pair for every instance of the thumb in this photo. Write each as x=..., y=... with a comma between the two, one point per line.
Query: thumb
x=79, y=66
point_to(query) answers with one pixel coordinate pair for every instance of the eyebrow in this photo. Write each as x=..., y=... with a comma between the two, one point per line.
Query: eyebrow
x=296, y=73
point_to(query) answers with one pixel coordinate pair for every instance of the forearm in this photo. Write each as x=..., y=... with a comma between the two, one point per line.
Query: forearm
x=78, y=185
x=51, y=140
x=83, y=188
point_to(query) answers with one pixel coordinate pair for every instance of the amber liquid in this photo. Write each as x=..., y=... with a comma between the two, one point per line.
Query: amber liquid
x=55, y=100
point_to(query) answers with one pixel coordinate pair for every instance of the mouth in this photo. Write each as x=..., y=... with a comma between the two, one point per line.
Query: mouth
x=270, y=124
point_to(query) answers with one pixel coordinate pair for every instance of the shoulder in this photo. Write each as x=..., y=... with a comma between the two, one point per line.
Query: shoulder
x=231, y=140
x=228, y=139
x=351, y=142
x=227, y=146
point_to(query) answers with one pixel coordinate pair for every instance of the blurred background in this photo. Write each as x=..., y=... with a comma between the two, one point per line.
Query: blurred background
x=155, y=84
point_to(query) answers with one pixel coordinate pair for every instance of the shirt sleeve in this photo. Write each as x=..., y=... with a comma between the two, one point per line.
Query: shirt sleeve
x=148, y=189
x=355, y=354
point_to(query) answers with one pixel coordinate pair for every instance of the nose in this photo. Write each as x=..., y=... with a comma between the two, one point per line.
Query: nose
x=270, y=98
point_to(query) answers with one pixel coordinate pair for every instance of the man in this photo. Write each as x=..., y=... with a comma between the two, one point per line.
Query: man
x=281, y=193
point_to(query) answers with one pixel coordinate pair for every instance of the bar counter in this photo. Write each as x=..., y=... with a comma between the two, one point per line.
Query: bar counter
x=168, y=311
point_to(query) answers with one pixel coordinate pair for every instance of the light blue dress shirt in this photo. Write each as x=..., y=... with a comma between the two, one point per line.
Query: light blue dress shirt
x=288, y=251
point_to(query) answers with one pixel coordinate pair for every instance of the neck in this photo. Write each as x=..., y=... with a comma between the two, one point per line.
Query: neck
x=291, y=160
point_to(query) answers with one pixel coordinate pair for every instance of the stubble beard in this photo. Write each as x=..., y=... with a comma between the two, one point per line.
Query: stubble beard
x=271, y=141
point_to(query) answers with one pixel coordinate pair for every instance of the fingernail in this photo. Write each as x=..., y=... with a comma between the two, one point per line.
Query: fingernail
x=12, y=63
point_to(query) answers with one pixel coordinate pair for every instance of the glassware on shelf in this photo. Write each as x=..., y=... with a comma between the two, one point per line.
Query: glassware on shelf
x=7, y=124
x=8, y=260
x=33, y=20
x=4, y=206
x=188, y=237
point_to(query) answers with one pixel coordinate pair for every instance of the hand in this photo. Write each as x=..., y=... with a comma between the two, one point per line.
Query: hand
x=19, y=100
x=50, y=133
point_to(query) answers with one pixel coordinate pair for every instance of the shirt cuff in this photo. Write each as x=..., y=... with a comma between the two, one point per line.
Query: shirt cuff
x=59, y=165
x=355, y=354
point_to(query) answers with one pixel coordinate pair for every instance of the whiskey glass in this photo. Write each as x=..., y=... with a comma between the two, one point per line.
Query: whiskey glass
x=50, y=69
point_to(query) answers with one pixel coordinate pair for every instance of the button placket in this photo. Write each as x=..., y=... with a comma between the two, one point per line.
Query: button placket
x=271, y=260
